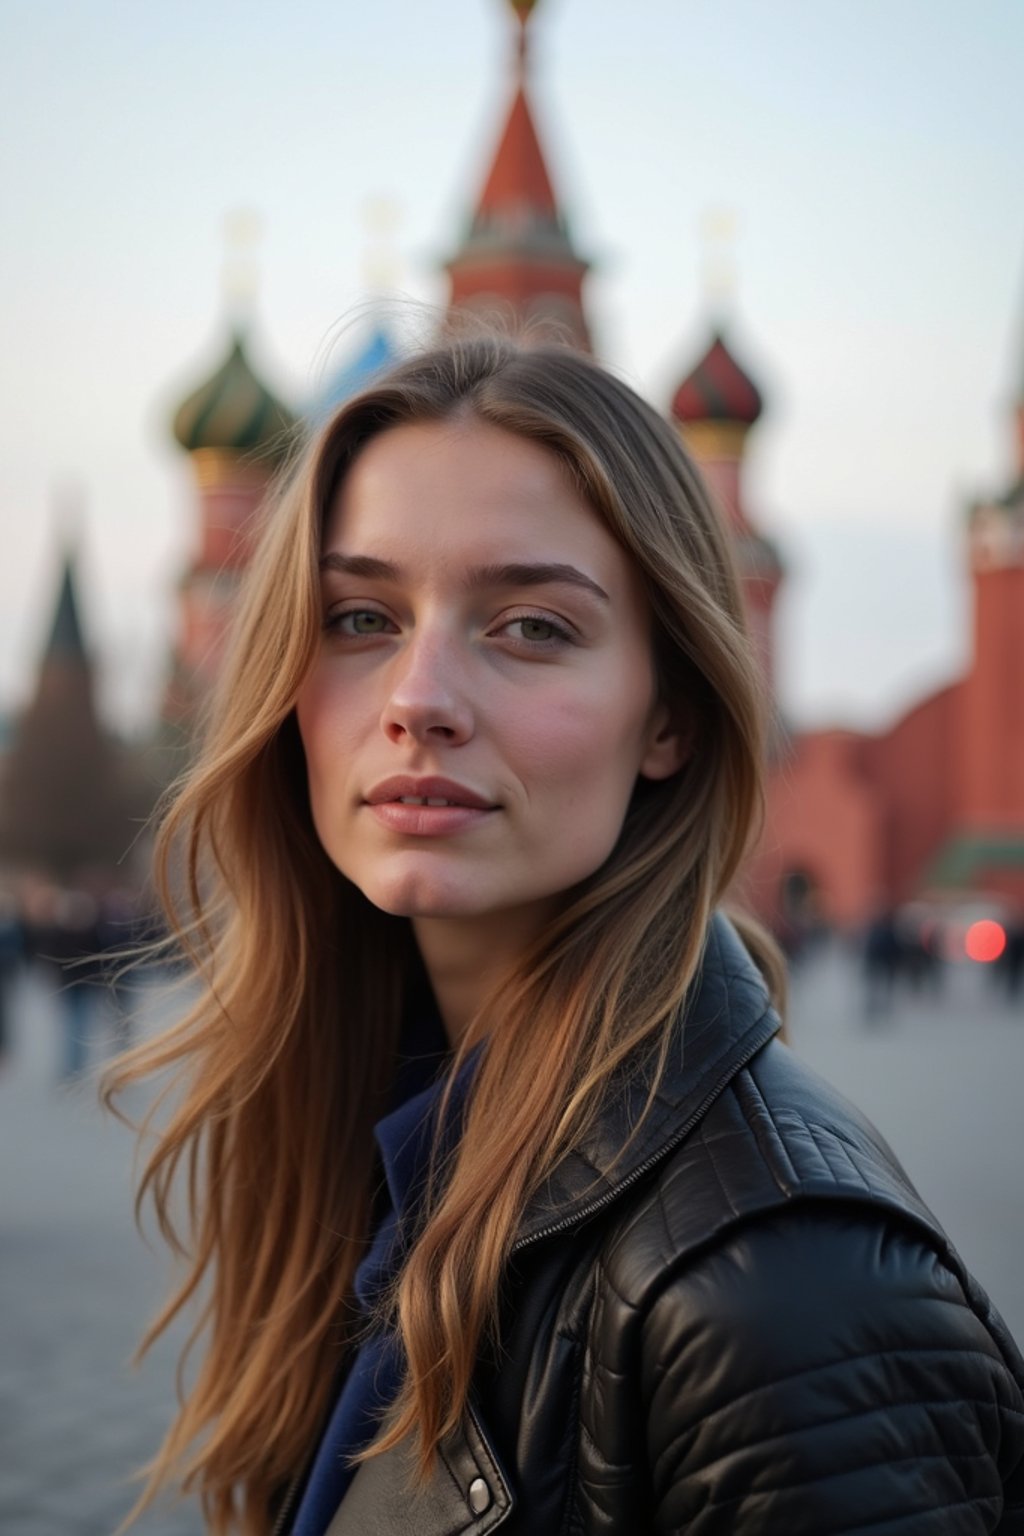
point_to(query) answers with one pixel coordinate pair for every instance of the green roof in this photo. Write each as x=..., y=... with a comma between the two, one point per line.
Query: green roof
x=964, y=858
x=234, y=409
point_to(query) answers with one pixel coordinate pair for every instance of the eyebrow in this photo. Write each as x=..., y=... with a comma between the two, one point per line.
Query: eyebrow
x=518, y=573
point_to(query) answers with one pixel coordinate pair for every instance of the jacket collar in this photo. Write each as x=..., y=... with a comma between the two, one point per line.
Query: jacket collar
x=727, y=1018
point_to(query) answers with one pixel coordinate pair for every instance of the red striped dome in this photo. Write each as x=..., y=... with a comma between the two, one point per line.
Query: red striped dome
x=717, y=389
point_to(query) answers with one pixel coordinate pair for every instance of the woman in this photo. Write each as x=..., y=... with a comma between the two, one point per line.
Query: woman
x=507, y=1206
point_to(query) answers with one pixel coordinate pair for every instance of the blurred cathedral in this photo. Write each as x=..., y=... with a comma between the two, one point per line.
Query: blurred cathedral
x=856, y=823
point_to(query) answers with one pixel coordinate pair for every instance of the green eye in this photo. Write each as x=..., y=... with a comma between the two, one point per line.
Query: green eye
x=365, y=622
x=360, y=621
x=536, y=629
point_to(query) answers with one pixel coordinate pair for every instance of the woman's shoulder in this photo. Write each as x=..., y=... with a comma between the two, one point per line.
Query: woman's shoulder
x=786, y=1184
x=780, y=1288
x=831, y=1360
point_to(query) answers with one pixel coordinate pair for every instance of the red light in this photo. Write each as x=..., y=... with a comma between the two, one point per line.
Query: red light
x=985, y=941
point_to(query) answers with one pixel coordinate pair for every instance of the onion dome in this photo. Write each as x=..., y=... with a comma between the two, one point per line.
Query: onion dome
x=234, y=411
x=378, y=355
x=717, y=389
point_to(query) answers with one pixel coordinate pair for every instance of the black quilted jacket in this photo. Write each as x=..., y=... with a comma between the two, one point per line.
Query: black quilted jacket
x=753, y=1327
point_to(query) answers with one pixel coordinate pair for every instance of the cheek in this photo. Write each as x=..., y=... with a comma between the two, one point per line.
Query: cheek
x=587, y=740
x=323, y=726
x=310, y=718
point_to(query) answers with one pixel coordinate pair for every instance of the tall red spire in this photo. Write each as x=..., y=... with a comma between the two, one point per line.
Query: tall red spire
x=518, y=182
x=517, y=260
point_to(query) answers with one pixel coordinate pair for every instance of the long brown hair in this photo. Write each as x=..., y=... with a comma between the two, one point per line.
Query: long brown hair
x=282, y=1066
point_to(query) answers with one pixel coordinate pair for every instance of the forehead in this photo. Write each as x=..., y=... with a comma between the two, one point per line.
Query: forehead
x=466, y=489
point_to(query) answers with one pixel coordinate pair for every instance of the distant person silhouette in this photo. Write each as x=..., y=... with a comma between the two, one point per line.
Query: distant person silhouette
x=66, y=945
x=882, y=955
x=12, y=949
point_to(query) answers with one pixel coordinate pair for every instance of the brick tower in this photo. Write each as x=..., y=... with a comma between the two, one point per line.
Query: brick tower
x=65, y=804
x=236, y=434
x=714, y=408
x=988, y=846
x=517, y=260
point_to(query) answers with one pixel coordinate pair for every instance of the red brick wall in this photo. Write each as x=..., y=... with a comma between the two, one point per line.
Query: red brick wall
x=913, y=771
x=992, y=740
x=823, y=821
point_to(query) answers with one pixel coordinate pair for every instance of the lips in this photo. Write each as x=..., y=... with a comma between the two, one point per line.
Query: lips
x=435, y=792
x=430, y=809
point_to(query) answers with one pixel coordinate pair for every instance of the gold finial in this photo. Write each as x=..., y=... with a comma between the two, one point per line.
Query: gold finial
x=243, y=229
x=718, y=233
x=68, y=504
x=523, y=11
x=381, y=218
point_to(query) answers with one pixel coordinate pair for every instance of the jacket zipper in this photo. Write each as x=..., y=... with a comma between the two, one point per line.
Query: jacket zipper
x=600, y=1201
x=288, y=1507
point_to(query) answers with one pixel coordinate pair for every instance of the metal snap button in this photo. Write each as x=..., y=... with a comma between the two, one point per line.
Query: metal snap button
x=479, y=1496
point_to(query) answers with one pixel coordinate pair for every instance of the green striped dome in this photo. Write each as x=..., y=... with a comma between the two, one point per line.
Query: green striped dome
x=234, y=410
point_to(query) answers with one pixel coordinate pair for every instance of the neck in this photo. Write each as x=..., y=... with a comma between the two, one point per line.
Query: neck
x=467, y=957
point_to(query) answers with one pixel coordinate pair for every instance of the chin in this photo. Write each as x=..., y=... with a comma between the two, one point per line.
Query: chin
x=422, y=896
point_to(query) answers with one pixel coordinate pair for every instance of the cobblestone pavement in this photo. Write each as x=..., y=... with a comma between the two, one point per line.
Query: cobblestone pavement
x=77, y=1284
x=941, y=1077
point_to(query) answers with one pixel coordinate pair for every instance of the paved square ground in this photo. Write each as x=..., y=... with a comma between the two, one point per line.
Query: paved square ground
x=941, y=1075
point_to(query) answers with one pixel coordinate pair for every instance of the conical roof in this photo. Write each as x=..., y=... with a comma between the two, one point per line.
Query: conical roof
x=516, y=260
x=517, y=209
x=234, y=410
x=64, y=800
x=717, y=389
x=518, y=186
x=65, y=640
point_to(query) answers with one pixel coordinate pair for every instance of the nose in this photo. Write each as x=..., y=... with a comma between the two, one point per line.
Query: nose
x=428, y=700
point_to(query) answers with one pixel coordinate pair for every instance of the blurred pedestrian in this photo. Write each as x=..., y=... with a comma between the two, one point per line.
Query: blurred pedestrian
x=12, y=951
x=66, y=946
x=1012, y=958
x=883, y=953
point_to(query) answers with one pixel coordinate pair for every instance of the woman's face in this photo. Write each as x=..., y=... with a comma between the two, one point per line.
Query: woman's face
x=484, y=698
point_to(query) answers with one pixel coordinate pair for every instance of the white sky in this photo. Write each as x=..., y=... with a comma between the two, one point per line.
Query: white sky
x=869, y=150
